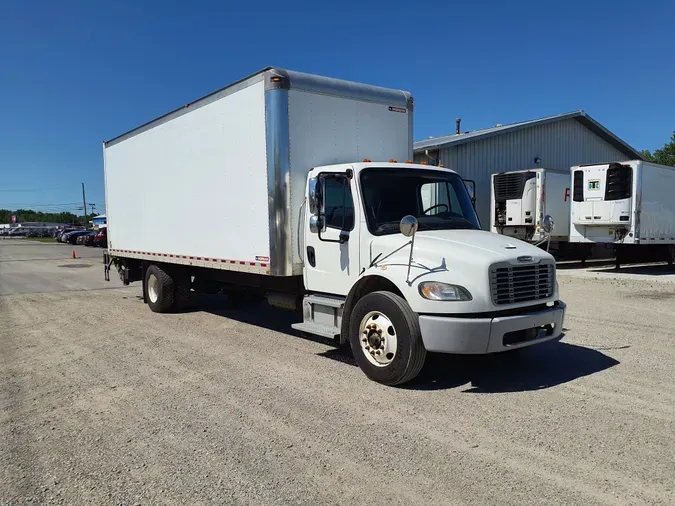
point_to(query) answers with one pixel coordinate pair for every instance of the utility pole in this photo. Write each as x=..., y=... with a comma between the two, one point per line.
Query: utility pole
x=84, y=201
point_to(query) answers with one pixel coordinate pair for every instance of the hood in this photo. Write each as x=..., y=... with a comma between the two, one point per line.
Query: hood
x=461, y=257
x=473, y=247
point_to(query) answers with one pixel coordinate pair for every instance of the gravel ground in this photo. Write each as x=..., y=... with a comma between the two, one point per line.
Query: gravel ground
x=103, y=402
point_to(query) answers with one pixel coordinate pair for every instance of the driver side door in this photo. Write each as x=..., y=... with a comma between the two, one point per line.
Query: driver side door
x=331, y=266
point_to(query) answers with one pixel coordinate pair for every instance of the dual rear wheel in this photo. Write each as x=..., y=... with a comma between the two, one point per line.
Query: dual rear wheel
x=166, y=291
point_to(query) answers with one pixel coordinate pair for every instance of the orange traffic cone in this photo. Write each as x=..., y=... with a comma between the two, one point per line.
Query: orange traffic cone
x=74, y=255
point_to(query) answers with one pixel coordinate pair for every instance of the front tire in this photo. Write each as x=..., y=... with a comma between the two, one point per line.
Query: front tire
x=159, y=289
x=385, y=337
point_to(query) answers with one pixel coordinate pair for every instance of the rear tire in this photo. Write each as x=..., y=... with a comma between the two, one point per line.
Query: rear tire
x=159, y=288
x=385, y=337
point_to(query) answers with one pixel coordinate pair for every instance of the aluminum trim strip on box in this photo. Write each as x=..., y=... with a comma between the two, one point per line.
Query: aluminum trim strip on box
x=278, y=182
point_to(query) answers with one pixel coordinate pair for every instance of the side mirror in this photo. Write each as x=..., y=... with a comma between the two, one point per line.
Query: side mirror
x=548, y=224
x=315, y=198
x=315, y=224
x=314, y=195
x=409, y=226
x=470, y=186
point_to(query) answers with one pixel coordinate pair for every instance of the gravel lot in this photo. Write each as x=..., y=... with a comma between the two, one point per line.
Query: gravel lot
x=103, y=402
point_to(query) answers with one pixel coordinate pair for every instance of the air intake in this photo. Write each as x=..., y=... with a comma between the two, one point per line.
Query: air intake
x=510, y=185
x=619, y=182
x=578, y=186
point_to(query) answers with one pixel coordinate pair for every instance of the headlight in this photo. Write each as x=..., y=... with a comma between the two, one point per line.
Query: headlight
x=434, y=290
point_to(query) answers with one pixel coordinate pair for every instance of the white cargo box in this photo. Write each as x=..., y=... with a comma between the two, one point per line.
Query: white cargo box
x=220, y=182
x=623, y=203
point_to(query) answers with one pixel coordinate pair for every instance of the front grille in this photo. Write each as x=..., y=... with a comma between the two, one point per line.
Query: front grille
x=510, y=185
x=522, y=283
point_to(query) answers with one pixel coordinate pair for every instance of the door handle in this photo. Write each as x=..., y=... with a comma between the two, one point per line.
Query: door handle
x=311, y=256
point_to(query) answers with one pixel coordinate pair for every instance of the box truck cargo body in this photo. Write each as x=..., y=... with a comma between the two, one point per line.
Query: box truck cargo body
x=296, y=188
x=624, y=204
x=520, y=199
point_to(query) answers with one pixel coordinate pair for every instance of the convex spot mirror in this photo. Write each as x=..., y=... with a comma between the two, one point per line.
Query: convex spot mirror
x=409, y=226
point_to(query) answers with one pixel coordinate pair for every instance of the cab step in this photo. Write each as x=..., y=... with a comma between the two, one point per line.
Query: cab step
x=317, y=329
x=322, y=315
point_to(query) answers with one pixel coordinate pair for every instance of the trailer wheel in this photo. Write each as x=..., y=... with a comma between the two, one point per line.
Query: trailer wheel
x=385, y=338
x=159, y=289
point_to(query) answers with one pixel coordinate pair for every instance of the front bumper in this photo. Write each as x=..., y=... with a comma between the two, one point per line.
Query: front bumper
x=491, y=335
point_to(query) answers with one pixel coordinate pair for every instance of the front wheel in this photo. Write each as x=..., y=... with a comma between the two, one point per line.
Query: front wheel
x=385, y=338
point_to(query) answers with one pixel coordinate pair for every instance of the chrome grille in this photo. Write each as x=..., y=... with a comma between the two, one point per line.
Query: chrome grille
x=521, y=283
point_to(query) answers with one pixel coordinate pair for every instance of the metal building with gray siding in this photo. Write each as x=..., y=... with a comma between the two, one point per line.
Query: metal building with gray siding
x=556, y=142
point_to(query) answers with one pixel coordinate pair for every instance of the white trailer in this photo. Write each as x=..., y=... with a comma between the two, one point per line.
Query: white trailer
x=521, y=198
x=626, y=204
x=259, y=189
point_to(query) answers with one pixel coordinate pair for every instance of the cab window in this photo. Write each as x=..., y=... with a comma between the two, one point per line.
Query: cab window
x=339, y=206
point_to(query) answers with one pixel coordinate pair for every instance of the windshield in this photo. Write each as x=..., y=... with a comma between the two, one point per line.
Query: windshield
x=437, y=199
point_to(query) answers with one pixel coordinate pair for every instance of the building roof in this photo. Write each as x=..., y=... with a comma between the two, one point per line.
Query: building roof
x=580, y=116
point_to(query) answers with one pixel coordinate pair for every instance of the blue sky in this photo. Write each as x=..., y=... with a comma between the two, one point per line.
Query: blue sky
x=73, y=73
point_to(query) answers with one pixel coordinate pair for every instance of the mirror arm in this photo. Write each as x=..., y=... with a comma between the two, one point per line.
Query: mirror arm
x=410, y=259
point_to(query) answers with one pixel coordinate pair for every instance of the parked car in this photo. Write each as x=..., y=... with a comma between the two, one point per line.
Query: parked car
x=89, y=238
x=18, y=232
x=101, y=239
x=71, y=238
x=63, y=233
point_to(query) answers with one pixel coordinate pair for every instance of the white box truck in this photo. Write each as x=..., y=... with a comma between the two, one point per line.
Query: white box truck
x=267, y=187
x=627, y=204
x=521, y=198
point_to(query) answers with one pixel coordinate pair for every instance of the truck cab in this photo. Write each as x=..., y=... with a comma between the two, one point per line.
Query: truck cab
x=395, y=263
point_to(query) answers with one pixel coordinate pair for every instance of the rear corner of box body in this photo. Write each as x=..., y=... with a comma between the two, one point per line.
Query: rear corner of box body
x=195, y=184
x=654, y=203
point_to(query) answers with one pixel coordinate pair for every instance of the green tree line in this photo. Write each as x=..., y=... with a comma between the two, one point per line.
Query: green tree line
x=24, y=215
x=663, y=156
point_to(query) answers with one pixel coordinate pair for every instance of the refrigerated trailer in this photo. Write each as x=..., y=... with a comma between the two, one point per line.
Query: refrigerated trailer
x=297, y=188
x=630, y=205
x=521, y=198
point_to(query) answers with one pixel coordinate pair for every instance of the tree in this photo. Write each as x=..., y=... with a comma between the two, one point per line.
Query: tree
x=663, y=156
x=23, y=215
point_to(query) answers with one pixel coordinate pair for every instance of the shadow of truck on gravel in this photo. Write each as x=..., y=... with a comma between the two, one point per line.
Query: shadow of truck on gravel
x=534, y=368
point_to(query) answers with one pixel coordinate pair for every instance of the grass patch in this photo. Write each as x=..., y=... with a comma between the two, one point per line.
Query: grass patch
x=41, y=239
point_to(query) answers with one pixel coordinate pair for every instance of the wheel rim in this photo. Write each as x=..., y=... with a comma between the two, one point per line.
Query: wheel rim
x=377, y=336
x=153, y=288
